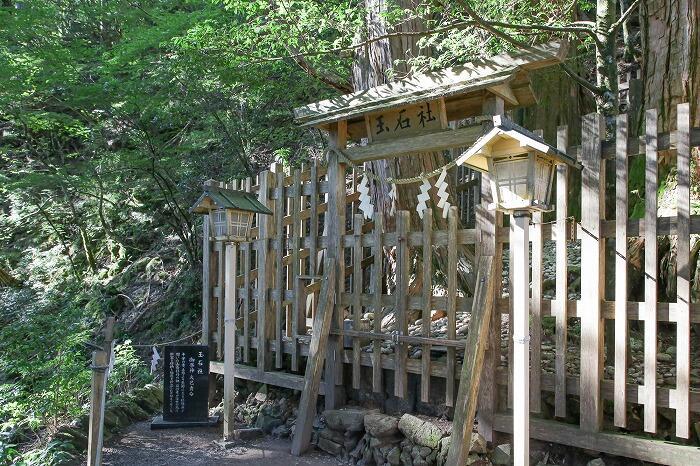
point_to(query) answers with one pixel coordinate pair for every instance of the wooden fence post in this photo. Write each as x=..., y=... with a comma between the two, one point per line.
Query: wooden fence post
x=562, y=282
x=100, y=365
x=486, y=221
x=264, y=325
x=335, y=218
x=230, y=336
x=621, y=329
x=519, y=243
x=680, y=396
x=100, y=362
x=651, y=185
x=592, y=250
x=402, y=277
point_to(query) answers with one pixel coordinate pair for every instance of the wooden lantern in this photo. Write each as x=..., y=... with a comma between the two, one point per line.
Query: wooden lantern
x=230, y=212
x=520, y=164
x=521, y=169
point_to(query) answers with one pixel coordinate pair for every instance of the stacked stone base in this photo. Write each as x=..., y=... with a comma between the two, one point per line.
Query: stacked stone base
x=369, y=438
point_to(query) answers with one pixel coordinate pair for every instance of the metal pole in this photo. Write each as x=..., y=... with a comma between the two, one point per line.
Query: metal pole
x=229, y=337
x=519, y=227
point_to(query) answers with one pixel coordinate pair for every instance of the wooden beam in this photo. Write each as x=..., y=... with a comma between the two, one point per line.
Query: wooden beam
x=424, y=143
x=314, y=365
x=477, y=338
x=505, y=92
x=643, y=449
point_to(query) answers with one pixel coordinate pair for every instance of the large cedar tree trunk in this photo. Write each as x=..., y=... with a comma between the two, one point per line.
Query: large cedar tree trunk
x=370, y=69
x=670, y=37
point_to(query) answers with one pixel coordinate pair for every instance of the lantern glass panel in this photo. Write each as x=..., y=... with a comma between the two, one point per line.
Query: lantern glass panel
x=544, y=173
x=511, y=180
x=220, y=222
x=240, y=223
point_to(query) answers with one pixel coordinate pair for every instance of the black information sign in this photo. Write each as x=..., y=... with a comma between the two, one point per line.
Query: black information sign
x=186, y=383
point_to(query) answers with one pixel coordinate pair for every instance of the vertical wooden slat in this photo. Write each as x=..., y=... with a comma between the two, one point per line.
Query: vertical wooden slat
x=298, y=317
x=335, y=226
x=592, y=249
x=377, y=280
x=313, y=220
x=536, y=315
x=313, y=227
x=562, y=281
x=427, y=302
x=650, y=273
x=452, y=221
x=402, y=271
x=486, y=221
x=280, y=204
x=264, y=325
x=621, y=214
x=680, y=397
x=247, y=257
x=357, y=300
x=220, y=279
x=288, y=308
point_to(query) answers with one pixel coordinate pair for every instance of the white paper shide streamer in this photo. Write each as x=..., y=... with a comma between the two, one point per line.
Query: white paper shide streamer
x=441, y=186
x=393, y=195
x=155, y=357
x=423, y=197
x=365, y=200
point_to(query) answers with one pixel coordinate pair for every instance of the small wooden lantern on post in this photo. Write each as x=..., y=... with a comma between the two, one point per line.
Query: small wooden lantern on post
x=231, y=215
x=521, y=168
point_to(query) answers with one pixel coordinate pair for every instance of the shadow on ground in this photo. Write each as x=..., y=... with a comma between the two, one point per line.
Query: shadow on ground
x=139, y=446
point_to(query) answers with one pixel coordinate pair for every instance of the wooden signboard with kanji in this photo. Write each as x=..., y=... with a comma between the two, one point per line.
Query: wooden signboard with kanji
x=409, y=120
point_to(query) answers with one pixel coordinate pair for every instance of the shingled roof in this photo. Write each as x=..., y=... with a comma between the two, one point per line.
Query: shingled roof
x=503, y=128
x=214, y=197
x=456, y=82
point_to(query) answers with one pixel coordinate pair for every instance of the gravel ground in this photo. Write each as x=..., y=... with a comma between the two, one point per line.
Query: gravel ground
x=138, y=445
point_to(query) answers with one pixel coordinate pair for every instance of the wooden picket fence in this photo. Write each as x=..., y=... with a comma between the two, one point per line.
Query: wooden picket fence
x=316, y=212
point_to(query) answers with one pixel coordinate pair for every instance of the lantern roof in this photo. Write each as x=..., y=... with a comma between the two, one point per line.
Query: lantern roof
x=505, y=75
x=518, y=140
x=214, y=198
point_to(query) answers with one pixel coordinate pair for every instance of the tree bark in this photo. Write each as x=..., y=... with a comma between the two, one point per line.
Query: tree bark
x=670, y=37
x=605, y=58
x=370, y=68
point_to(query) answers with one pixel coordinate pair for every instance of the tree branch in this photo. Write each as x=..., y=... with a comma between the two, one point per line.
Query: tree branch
x=623, y=17
x=583, y=82
x=332, y=81
x=359, y=45
x=573, y=28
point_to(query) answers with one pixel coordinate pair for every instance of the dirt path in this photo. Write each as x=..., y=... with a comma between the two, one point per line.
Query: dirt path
x=138, y=445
